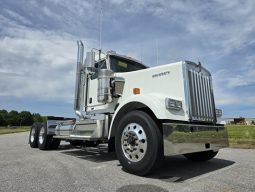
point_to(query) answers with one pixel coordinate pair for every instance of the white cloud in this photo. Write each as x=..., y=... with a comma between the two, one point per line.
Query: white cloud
x=229, y=88
x=17, y=17
x=235, y=79
x=38, y=64
x=223, y=25
x=38, y=49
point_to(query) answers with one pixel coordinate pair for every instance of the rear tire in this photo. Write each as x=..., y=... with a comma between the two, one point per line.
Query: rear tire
x=201, y=156
x=44, y=140
x=138, y=143
x=33, y=136
x=54, y=143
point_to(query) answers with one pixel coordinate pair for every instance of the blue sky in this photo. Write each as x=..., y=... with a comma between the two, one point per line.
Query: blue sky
x=38, y=46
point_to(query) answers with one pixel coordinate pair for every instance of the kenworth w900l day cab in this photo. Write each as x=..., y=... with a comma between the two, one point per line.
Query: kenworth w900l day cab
x=142, y=113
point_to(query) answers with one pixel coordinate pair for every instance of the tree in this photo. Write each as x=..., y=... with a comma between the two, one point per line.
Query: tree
x=3, y=117
x=26, y=118
x=4, y=112
x=2, y=121
x=14, y=118
x=37, y=117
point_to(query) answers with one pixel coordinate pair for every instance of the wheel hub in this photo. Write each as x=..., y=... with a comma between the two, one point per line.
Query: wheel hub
x=131, y=140
x=32, y=136
x=134, y=142
x=41, y=135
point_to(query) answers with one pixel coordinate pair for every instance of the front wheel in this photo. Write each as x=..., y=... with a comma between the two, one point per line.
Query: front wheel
x=138, y=143
x=201, y=156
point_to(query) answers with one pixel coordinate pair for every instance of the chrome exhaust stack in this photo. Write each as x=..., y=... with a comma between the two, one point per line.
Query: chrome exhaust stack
x=77, y=96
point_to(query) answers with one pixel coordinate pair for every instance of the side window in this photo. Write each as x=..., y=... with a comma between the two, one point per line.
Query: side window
x=123, y=65
x=101, y=65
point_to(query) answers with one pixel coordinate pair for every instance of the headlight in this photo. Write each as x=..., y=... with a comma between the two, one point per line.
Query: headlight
x=218, y=112
x=173, y=104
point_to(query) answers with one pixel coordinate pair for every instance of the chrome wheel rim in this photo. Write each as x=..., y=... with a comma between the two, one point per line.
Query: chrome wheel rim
x=41, y=135
x=32, y=135
x=134, y=142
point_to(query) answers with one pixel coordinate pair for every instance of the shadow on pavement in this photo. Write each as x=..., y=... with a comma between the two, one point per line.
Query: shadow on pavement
x=173, y=169
x=93, y=154
x=141, y=188
x=178, y=168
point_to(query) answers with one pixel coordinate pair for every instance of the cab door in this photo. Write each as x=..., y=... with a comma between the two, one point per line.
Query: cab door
x=92, y=102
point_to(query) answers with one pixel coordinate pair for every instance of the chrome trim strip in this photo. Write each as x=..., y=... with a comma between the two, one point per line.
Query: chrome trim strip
x=213, y=103
x=210, y=99
x=203, y=99
x=196, y=98
x=186, y=90
x=206, y=99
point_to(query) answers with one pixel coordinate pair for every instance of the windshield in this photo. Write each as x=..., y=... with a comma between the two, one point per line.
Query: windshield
x=119, y=64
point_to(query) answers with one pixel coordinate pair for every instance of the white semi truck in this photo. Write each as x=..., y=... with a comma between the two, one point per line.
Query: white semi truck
x=142, y=113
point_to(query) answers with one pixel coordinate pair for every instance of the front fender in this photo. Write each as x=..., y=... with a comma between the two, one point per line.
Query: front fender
x=154, y=102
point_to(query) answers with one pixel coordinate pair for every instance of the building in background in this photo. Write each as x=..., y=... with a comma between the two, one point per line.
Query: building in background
x=239, y=121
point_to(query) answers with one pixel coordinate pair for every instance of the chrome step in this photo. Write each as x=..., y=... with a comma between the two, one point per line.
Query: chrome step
x=75, y=137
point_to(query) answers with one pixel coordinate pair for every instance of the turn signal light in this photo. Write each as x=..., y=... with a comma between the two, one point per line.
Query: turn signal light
x=136, y=91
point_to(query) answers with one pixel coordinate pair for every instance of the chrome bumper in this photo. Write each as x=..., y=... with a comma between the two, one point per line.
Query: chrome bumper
x=190, y=138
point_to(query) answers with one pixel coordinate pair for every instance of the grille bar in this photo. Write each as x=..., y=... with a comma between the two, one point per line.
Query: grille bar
x=201, y=96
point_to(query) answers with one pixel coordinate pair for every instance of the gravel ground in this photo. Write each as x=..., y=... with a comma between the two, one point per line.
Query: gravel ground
x=71, y=169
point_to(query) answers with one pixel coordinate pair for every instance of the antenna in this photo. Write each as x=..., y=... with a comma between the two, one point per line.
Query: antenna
x=141, y=49
x=157, y=49
x=100, y=25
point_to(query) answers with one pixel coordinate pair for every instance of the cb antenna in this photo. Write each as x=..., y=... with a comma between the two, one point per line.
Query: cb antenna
x=157, y=50
x=141, y=49
x=100, y=26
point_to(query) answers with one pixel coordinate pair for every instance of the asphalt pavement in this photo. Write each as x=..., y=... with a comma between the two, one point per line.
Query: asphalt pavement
x=73, y=169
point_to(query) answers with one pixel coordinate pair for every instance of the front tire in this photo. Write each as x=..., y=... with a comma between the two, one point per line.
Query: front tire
x=138, y=143
x=201, y=156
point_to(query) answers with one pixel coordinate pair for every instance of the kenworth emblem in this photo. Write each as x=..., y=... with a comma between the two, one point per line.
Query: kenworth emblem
x=161, y=74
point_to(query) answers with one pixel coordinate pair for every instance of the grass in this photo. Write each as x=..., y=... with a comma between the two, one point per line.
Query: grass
x=6, y=130
x=241, y=136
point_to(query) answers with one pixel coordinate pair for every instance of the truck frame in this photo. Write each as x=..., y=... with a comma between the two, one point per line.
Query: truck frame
x=142, y=113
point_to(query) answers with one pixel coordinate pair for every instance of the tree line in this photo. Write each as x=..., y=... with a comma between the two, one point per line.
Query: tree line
x=15, y=118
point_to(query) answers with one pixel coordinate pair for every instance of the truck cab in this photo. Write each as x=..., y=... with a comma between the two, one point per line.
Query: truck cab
x=117, y=64
x=142, y=113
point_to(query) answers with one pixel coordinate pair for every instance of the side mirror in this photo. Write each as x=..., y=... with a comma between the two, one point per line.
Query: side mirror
x=90, y=60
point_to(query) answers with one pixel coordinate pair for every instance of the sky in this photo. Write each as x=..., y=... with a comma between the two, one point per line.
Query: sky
x=38, y=46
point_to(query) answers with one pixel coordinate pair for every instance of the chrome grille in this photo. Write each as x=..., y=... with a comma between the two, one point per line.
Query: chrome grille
x=201, y=96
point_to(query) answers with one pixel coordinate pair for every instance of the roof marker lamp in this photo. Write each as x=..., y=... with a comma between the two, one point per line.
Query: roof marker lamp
x=173, y=104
